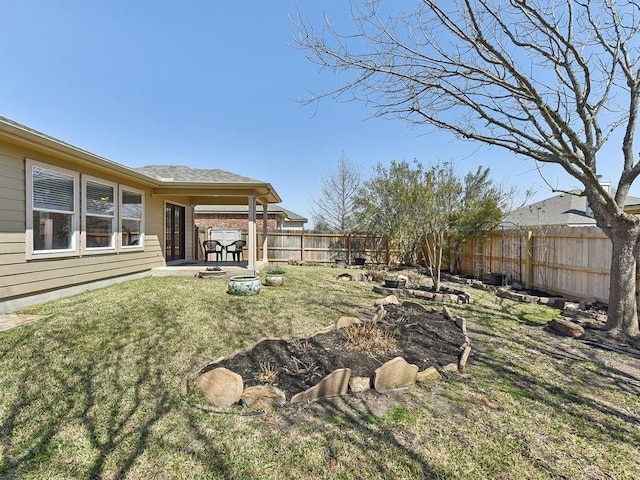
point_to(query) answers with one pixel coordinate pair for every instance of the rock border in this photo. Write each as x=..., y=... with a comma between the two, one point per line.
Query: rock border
x=224, y=388
x=460, y=296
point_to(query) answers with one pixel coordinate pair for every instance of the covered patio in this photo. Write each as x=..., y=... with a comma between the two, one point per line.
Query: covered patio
x=184, y=188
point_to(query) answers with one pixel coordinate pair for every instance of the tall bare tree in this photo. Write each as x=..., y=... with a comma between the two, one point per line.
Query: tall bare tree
x=334, y=208
x=551, y=81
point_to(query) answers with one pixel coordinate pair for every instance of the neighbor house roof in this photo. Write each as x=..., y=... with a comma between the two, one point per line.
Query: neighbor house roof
x=272, y=208
x=565, y=209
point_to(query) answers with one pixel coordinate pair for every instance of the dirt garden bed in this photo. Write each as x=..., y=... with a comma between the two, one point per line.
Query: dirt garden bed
x=421, y=336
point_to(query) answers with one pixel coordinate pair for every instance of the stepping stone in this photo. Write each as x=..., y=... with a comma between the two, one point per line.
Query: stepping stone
x=336, y=383
x=396, y=373
x=221, y=386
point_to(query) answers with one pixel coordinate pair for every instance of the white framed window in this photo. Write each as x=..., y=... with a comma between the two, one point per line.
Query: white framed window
x=131, y=218
x=52, y=210
x=99, y=207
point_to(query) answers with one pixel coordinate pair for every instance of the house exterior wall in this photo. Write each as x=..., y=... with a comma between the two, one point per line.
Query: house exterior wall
x=21, y=277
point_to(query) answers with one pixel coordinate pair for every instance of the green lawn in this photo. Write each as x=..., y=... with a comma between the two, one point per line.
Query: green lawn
x=94, y=391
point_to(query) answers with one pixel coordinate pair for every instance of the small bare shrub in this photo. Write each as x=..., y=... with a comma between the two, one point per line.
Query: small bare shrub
x=302, y=346
x=376, y=275
x=370, y=338
x=302, y=367
x=414, y=276
x=267, y=374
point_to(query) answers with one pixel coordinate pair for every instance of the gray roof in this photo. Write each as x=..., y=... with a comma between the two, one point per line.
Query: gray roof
x=184, y=174
x=271, y=208
x=566, y=209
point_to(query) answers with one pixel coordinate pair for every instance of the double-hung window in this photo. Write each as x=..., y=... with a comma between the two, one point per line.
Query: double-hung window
x=131, y=218
x=99, y=219
x=52, y=211
x=111, y=219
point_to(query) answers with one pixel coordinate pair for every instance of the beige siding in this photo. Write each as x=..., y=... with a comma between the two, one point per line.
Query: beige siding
x=12, y=184
x=19, y=277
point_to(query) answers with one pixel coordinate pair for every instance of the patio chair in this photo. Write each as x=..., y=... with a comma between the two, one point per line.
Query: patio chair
x=235, y=249
x=213, y=246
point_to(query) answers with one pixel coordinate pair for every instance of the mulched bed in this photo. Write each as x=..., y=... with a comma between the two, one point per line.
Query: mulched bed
x=424, y=337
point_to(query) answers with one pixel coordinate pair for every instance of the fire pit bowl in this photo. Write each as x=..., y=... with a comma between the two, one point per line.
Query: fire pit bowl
x=244, y=285
x=395, y=282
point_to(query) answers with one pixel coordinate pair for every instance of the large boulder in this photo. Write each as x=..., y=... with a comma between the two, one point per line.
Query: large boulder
x=221, y=386
x=395, y=373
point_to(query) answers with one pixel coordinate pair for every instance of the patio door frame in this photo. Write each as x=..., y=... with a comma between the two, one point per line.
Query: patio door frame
x=175, y=232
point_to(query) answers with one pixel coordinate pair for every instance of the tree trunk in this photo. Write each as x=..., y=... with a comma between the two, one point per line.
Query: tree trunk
x=623, y=313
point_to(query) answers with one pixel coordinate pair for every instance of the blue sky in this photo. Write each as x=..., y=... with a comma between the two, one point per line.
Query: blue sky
x=208, y=84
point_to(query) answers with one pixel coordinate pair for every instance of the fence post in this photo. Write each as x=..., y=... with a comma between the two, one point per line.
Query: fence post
x=529, y=261
x=387, y=251
x=302, y=255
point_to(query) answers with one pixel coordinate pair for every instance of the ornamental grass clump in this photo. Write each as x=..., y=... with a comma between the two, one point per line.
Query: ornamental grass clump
x=275, y=270
x=371, y=338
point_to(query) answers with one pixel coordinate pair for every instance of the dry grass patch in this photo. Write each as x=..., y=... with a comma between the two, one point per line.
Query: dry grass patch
x=93, y=391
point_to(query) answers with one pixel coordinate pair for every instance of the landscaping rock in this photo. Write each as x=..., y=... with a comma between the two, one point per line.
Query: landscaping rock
x=587, y=303
x=446, y=313
x=359, y=384
x=395, y=373
x=461, y=323
x=336, y=383
x=360, y=277
x=566, y=327
x=464, y=357
x=464, y=298
x=221, y=386
x=379, y=315
x=262, y=397
x=415, y=305
x=450, y=367
x=588, y=321
x=344, y=322
x=428, y=375
x=388, y=300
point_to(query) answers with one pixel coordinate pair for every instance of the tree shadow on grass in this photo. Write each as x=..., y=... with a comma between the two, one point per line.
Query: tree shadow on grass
x=572, y=378
x=360, y=429
x=89, y=411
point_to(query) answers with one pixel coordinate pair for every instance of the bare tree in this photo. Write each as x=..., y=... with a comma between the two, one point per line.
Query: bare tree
x=551, y=81
x=335, y=206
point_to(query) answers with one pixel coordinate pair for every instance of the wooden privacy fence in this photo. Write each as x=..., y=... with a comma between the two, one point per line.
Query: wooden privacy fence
x=325, y=248
x=571, y=261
